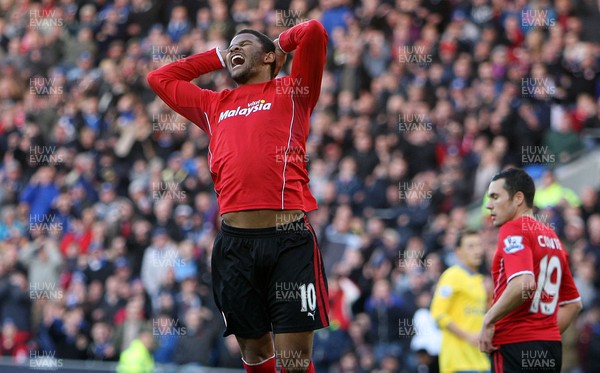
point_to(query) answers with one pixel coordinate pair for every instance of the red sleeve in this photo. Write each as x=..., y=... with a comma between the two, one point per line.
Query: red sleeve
x=309, y=40
x=516, y=252
x=568, y=292
x=172, y=83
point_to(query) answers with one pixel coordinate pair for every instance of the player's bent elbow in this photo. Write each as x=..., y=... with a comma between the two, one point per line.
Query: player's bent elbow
x=157, y=79
x=313, y=23
x=316, y=30
x=152, y=79
x=578, y=306
x=567, y=313
x=572, y=309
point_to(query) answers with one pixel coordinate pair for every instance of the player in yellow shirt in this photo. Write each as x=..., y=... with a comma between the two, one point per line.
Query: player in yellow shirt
x=458, y=306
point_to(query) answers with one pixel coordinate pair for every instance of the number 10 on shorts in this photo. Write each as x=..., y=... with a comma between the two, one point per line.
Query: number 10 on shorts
x=308, y=298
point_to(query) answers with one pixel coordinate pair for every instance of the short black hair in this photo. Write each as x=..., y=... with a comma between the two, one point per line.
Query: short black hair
x=517, y=180
x=463, y=234
x=266, y=43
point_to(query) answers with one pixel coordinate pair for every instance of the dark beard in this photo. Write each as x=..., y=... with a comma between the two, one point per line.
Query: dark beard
x=244, y=77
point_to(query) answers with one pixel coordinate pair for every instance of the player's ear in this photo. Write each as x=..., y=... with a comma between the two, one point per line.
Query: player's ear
x=519, y=198
x=269, y=58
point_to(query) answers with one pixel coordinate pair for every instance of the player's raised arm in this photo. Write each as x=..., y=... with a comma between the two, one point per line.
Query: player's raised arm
x=309, y=41
x=172, y=83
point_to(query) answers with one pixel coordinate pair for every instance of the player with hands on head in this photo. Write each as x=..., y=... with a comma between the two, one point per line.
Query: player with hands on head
x=257, y=132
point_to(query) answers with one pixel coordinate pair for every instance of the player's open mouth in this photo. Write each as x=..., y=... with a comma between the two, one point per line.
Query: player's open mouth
x=237, y=60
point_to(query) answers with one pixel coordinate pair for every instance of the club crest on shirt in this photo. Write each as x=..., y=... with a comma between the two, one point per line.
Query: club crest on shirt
x=512, y=244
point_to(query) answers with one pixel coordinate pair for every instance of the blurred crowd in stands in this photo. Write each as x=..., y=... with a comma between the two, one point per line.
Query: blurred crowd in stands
x=108, y=212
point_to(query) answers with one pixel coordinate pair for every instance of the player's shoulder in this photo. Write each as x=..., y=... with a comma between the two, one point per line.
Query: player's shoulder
x=451, y=281
x=511, y=227
x=512, y=237
x=453, y=273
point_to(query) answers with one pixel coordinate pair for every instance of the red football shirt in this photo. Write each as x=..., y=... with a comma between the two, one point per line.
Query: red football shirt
x=257, y=131
x=525, y=245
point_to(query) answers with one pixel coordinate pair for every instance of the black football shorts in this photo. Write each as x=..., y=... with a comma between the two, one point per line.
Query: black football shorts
x=270, y=279
x=531, y=356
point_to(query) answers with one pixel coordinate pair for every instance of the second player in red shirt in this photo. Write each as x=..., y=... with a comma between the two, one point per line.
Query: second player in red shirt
x=535, y=298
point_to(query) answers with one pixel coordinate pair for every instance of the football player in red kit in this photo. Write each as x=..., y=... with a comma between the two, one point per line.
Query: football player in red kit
x=535, y=298
x=257, y=134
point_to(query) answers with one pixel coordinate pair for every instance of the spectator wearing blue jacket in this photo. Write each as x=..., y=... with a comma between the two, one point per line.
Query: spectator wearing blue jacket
x=40, y=193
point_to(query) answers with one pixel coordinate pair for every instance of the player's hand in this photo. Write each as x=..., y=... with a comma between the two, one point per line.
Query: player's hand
x=485, y=339
x=280, y=57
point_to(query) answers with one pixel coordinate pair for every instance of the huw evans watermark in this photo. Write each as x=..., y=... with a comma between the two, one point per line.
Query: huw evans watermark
x=414, y=190
x=532, y=360
x=291, y=359
x=167, y=258
x=415, y=55
x=289, y=17
x=291, y=86
x=290, y=154
x=166, y=53
x=45, y=19
x=414, y=122
x=164, y=326
x=537, y=155
x=44, y=360
x=168, y=190
x=43, y=86
x=168, y=123
x=45, y=222
x=45, y=290
x=538, y=88
x=287, y=291
x=407, y=328
x=286, y=222
x=540, y=221
x=413, y=258
x=538, y=18
x=45, y=155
